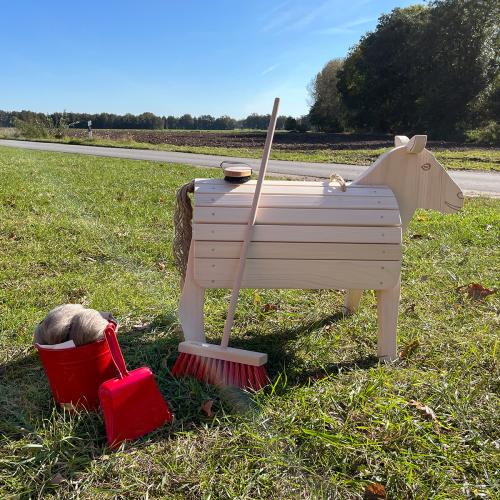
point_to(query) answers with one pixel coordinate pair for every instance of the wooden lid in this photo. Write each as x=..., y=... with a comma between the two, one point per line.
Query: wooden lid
x=236, y=169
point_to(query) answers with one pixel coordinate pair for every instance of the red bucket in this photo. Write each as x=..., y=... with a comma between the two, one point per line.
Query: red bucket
x=75, y=374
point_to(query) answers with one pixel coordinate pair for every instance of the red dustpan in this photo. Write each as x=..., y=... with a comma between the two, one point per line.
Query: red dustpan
x=132, y=403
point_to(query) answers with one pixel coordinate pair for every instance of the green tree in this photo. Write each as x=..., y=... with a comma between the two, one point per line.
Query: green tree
x=224, y=123
x=423, y=68
x=303, y=124
x=186, y=122
x=380, y=79
x=206, y=122
x=290, y=123
x=461, y=39
x=172, y=122
x=280, y=122
x=327, y=111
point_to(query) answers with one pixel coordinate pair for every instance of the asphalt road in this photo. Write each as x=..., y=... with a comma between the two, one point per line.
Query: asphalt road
x=471, y=182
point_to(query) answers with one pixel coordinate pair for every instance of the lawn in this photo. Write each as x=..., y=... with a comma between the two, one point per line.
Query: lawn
x=334, y=422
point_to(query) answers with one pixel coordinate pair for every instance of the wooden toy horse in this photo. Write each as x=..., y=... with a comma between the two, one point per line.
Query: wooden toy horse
x=314, y=235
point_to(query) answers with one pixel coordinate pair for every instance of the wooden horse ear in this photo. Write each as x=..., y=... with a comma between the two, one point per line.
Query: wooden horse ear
x=400, y=140
x=416, y=144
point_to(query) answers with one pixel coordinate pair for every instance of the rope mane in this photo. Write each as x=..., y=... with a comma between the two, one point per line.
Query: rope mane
x=183, y=230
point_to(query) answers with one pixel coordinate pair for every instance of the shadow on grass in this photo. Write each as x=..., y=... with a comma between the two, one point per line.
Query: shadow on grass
x=27, y=403
x=282, y=358
x=159, y=352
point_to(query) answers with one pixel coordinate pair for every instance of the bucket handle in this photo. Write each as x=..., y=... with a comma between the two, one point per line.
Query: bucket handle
x=114, y=347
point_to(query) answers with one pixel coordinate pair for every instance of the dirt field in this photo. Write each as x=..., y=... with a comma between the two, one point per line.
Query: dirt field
x=285, y=141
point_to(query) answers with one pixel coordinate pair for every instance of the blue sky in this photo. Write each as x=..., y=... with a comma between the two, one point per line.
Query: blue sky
x=173, y=56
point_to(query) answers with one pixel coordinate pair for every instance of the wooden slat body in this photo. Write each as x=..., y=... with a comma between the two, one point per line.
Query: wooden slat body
x=307, y=274
x=318, y=234
x=293, y=201
x=298, y=216
x=281, y=250
x=291, y=188
x=307, y=235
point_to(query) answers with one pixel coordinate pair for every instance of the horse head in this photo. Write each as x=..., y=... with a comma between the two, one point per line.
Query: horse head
x=417, y=179
x=436, y=189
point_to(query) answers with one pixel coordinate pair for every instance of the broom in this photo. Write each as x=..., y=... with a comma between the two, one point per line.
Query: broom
x=220, y=364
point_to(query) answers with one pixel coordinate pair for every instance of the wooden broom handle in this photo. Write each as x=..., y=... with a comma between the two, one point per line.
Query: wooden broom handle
x=251, y=222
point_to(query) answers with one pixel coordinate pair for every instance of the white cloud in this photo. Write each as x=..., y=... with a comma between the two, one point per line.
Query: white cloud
x=268, y=70
x=346, y=28
x=287, y=17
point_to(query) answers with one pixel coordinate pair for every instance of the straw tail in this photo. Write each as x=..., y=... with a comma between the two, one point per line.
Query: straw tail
x=220, y=364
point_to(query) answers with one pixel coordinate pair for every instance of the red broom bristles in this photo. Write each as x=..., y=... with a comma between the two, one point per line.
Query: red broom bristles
x=220, y=372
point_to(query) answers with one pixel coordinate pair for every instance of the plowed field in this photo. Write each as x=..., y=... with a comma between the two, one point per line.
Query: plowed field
x=285, y=141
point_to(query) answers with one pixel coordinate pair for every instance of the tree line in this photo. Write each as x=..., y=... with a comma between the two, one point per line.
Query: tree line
x=151, y=121
x=425, y=68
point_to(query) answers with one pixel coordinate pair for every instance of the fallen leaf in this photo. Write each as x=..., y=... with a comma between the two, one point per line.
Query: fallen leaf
x=476, y=291
x=318, y=376
x=421, y=217
x=410, y=308
x=140, y=327
x=418, y=236
x=206, y=407
x=256, y=299
x=69, y=407
x=424, y=410
x=374, y=491
x=270, y=307
x=409, y=349
x=57, y=479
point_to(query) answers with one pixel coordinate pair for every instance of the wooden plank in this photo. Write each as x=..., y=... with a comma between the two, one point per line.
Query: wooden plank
x=318, y=188
x=298, y=216
x=295, y=201
x=260, y=250
x=319, y=234
x=273, y=182
x=315, y=274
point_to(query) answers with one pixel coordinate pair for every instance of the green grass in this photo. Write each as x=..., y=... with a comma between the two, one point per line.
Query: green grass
x=98, y=231
x=467, y=159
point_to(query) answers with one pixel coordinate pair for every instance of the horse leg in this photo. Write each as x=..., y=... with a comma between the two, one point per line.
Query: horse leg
x=387, y=308
x=351, y=300
x=191, y=304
